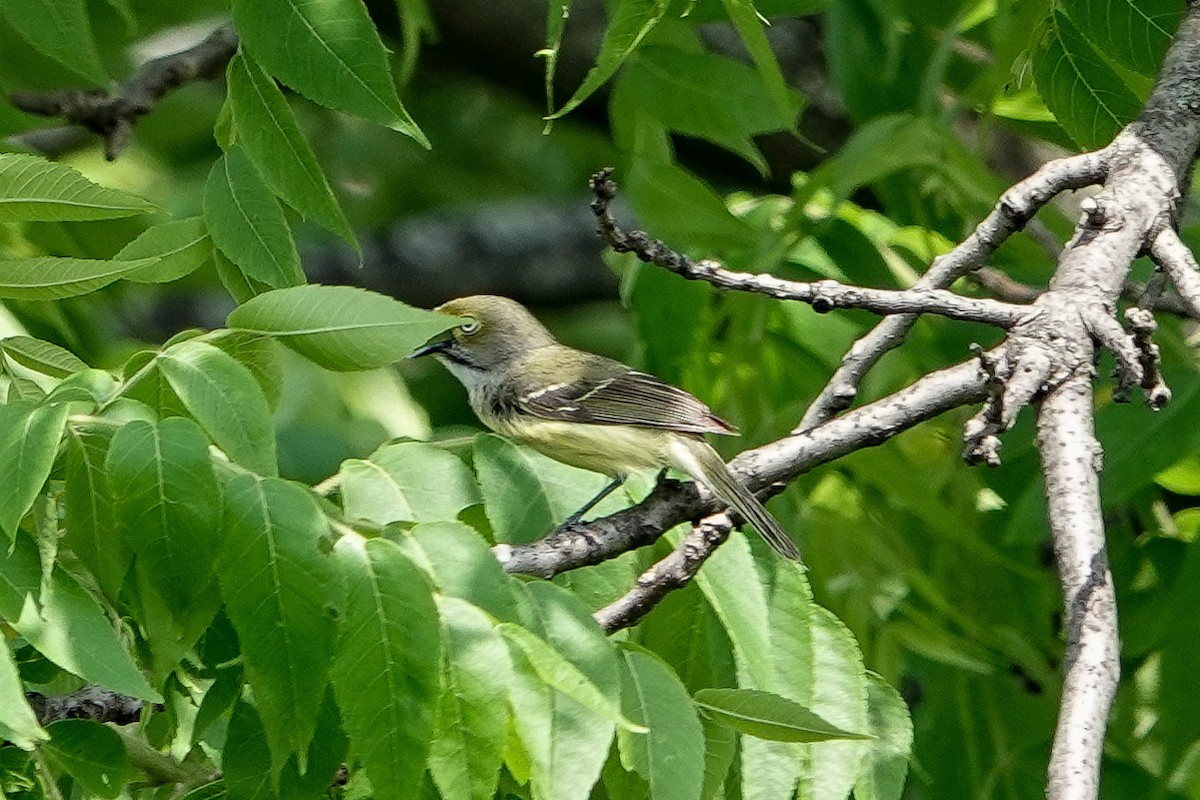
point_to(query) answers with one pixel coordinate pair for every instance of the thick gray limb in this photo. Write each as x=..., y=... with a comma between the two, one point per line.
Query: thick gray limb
x=112, y=115
x=1071, y=468
x=1015, y=208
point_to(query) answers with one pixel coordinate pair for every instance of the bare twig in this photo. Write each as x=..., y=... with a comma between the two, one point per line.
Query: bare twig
x=112, y=115
x=671, y=573
x=822, y=295
x=1174, y=257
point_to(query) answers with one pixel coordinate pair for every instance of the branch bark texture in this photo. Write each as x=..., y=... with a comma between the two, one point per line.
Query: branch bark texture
x=112, y=115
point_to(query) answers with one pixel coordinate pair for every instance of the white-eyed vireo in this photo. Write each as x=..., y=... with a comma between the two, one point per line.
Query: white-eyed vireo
x=586, y=410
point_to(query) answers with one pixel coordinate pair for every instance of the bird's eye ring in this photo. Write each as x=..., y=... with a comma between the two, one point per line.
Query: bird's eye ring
x=469, y=327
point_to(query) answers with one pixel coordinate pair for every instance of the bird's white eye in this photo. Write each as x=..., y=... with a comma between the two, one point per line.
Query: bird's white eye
x=470, y=326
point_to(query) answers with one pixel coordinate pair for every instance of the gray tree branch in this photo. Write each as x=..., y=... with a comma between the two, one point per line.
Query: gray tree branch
x=112, y=115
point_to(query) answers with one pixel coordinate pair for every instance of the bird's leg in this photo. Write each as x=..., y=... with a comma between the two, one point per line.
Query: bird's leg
x=575, y=518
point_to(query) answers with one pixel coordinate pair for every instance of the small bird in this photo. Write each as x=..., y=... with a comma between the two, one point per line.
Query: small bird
x=586, y=410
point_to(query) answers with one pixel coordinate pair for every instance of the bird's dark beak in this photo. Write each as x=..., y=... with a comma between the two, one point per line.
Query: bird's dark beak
x=432, y=347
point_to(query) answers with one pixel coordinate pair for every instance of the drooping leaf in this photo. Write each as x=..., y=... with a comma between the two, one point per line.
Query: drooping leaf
x=29, y=438
x=719, y=99
x=246, y=766
x=768, y=716
x=268, y=131
x=279, y=589
x=178, y=248
x=749, y=26
x=18, y=723
x=92, y=753
x=223, y=396
x=53, y=278
x=61, y=30
x=32, y=188
x=407, y=482
x=564, y=743
x=463, y=566
x=340, y=327
x=41, y=356
x=526, y=494
x=562, y=675
x=886, y=762
x=387, y=669
x=91, y=532
x=330, y=52
x=1088, y=98
x=1134, y=33
x=667, y=754
x=64, y=623
x=247, y=224
x=167, y=505
x=629, y=22
x=473, y=713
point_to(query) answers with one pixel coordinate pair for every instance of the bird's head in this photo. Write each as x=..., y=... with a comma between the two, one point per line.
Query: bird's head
x=498, y=331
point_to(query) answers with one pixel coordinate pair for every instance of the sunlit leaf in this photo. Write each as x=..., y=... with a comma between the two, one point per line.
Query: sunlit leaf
x=340, y=327
x=32, y=188
x=768, y=716
x=330, y=52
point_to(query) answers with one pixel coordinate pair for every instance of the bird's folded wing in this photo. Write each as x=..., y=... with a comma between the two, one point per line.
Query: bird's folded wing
x=627, y=398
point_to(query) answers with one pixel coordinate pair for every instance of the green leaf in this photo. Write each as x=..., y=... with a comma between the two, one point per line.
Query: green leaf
x=565, y=743
x=416, y=22
x=731, y=584
x=223, y=396
x=526, y=493
x=18, y=723
x=387, y=669
x=463, y=566
x=167, y=505
x=91, y=531
x=92, y=753
x=1088, y=98
x=258, y=354
x=629, y=22
x=267, y=130
x=704, y=95
x=52, y=278
x=1134, y=33
x=886, y=762
x=678, y=207
x=178, y=248
x=749, y=26
x=29, y=438
x=329, y=52
x=279, y=590
x=64, y=623
x=61, y=30
x=407, y=482
x=40, y=356
x=768, y=716
x=32, y=188
x=720, y=750
x=473, y=715
x=667, y=755
x=340, y=327
x=246, y=764
x=562, y=675
x=247, y=224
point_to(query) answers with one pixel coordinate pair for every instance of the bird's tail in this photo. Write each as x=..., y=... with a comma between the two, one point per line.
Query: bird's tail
x=697, y=458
